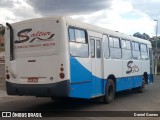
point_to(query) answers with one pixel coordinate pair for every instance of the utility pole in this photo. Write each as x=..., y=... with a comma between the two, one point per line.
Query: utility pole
x=1, y=28
x=156, y=53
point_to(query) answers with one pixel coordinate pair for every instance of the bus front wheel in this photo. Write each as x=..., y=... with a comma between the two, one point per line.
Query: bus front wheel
x=109, y=92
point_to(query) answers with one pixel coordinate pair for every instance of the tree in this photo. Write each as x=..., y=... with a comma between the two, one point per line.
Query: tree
x=137, y=34
x=154, y=40
x=2, y=30
x=142, y=36
x=146, y=36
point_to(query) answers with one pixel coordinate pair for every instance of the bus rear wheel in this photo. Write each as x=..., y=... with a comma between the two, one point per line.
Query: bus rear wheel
x=110, y=92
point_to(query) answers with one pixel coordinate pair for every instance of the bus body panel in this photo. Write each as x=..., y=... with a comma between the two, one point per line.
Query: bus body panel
x=87, y=73
x=113, y=66
x=46, y=55
x=81, y=77
x=39, y=62
x=59, y=89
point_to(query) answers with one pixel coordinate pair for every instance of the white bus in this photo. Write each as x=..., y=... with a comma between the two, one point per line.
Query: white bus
x=61, y=57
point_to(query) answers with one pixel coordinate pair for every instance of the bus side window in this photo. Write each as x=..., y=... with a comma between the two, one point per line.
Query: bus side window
x=71, y=34
x=92, y=48
x=115, y=50
x=98, y=49
x=135, y=50
x=144, y=52
x=126, y=49
x=80, y=36
x=105, y=46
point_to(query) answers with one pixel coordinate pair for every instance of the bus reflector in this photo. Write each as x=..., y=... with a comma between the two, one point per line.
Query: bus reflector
x=61, y=75
x=7, y=76
x=7, y=71
x=62, y=69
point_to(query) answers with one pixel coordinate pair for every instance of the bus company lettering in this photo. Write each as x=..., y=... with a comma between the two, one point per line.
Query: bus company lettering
x=36, y=45
x=24, y=37
x=132, y=68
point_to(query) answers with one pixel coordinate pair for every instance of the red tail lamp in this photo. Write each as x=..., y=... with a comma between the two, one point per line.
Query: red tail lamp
x=61, y=69
x=61, y=75
x=7, y=76
x=7, y=73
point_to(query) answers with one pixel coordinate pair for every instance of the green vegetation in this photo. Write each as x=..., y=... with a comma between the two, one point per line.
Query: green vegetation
x=153, y=41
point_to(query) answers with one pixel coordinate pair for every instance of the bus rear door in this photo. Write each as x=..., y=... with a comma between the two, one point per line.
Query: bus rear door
x=96, y=65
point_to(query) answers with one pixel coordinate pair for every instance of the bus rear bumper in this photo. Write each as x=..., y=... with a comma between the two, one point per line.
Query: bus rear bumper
x=59, y=89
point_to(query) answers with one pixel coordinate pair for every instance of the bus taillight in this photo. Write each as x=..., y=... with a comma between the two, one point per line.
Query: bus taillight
x=7, y=73
x=61, y=75
x=7, y=76
x=61, y=69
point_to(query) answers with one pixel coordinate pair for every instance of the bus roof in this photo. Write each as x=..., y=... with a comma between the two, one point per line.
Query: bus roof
x=79, y=24
x=94, y=28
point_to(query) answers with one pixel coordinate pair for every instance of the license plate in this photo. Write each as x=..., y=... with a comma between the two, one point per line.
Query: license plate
x=33, y=79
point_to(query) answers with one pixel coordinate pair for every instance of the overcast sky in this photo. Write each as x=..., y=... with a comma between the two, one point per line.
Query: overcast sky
x=126, y=16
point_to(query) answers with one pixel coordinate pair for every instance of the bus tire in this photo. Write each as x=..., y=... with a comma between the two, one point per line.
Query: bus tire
x=109, y=92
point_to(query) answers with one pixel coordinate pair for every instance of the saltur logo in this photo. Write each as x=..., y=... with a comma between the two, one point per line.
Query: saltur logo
x=132, y=68
x=24, y=37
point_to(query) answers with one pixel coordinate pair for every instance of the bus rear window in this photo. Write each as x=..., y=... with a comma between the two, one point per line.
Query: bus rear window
x=36, y=37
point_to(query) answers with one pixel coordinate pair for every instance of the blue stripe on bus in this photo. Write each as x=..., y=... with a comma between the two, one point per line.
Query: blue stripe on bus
x=83, y=82
x=128, y=83
x=85, y=85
